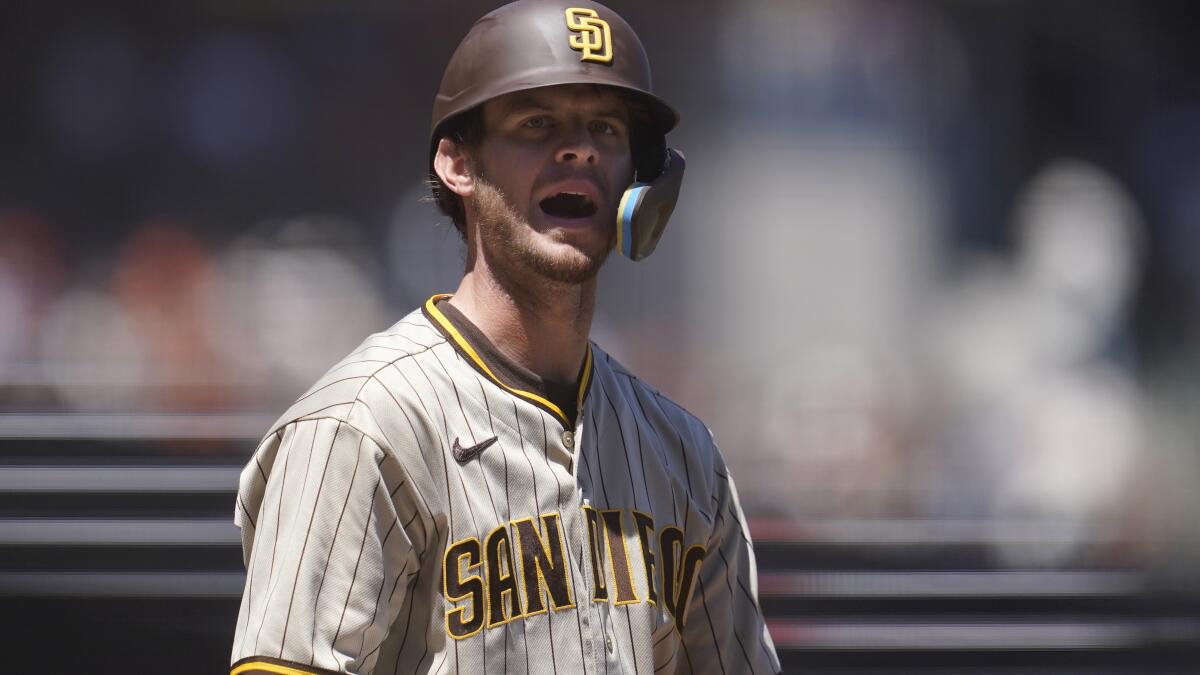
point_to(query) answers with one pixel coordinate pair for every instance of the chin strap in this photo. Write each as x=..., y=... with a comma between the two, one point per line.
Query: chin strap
x=646, y=207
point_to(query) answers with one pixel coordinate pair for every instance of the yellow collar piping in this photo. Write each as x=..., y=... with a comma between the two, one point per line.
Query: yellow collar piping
x=466, y=348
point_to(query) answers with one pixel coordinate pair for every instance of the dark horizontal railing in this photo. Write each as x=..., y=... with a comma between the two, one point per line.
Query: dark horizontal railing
x=119, y=534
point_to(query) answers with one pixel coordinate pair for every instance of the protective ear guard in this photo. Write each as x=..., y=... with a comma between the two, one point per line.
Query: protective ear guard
x=646, y=206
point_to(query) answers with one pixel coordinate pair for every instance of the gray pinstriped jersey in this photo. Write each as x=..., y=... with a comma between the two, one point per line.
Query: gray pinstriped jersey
x=612, y=545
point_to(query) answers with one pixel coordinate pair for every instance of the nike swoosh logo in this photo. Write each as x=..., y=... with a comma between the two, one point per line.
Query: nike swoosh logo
x=464, y=455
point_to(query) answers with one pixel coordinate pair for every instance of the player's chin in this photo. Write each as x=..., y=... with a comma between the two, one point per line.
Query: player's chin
x=569, y=261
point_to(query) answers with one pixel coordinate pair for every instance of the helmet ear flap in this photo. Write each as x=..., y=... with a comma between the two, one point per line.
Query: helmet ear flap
x=646, y=206
x=648, y=203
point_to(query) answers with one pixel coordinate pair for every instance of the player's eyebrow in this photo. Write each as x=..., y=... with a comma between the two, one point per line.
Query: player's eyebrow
x=523, y=103
x=618, y=113
x=531, y=103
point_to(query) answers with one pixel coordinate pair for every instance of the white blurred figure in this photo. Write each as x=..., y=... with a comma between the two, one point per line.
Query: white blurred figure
x=95, y=359
x=813, y=241
x=33, y=271
x=825, y=247
x=1047, y=427
x=293, y=300
x=1081, y=241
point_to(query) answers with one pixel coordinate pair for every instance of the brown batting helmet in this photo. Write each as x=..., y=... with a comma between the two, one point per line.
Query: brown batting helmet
x=538, y=43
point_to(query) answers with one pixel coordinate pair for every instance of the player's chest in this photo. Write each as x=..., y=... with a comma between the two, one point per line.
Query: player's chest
x=497, y=464
x=541, y=518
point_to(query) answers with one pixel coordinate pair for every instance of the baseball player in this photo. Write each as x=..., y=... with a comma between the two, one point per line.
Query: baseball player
x=480, y=488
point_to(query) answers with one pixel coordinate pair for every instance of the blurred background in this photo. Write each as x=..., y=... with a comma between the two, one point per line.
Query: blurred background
x=934, y=282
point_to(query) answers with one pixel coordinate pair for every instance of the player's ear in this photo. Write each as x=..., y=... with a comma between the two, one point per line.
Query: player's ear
x=453, y=166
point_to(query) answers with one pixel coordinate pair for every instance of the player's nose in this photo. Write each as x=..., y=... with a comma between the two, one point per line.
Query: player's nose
x=577, y=146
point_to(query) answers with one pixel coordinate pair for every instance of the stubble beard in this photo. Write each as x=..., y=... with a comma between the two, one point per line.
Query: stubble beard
x=514, y=250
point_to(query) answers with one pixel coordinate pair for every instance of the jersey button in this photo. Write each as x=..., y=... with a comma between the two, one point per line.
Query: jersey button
x=568, y=439
x=608, y=643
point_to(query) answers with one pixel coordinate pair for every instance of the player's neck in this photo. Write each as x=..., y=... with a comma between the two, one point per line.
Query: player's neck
x=541, y=326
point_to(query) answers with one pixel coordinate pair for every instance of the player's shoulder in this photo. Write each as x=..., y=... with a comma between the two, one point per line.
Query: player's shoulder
x=624, y=388
x=341, y=390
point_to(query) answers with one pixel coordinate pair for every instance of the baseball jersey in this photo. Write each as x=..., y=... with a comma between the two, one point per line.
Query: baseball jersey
x=420, y=510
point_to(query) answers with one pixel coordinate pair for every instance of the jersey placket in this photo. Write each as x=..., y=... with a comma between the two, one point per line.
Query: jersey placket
x=603, y=655
x=591, y=621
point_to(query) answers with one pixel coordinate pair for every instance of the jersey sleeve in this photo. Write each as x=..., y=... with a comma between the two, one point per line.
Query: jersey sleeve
x=331, y=539
x=724, y=621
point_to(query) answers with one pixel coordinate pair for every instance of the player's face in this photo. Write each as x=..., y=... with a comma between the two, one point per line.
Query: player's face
x=550, y=173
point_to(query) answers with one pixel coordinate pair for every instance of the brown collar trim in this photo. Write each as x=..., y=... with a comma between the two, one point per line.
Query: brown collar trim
x=562, y=400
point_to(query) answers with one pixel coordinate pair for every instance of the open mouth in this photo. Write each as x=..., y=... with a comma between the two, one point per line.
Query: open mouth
x=568, y=205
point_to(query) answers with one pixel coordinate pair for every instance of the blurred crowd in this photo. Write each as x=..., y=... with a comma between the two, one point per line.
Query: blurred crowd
x=171, y=325
x=919, y=273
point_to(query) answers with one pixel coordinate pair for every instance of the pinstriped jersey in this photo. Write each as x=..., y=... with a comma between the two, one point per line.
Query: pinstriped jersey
x=418, y=512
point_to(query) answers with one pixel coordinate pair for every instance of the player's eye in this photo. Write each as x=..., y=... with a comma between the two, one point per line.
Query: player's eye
x=603, y=127
x=539, y=122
